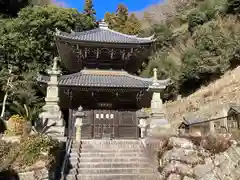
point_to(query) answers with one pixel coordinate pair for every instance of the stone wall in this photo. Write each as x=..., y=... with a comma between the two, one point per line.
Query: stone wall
x=38, y=174
x=181, y=159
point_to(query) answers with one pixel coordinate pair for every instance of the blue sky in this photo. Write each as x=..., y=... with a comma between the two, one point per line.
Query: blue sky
x=102, y=6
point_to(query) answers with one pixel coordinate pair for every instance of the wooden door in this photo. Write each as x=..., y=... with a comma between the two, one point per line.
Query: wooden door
x=128, y=125
x=110, y=123
x=104, y=123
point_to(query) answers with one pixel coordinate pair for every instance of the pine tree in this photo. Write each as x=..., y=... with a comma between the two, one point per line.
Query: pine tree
x=89, y=9
x=132, y=25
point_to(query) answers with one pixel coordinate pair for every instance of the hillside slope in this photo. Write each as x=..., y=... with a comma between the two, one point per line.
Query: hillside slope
x=208, y=100
x=161, y=11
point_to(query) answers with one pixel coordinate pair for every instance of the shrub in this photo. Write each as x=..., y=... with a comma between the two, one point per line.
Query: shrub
x=196, y=18
x=34, y=146
x=6, y=154
x=216, y=143
x=28, y=152
x=16, y=125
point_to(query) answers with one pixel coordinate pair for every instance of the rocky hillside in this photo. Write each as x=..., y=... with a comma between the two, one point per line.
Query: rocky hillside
x=207, y=100
x=186, y=159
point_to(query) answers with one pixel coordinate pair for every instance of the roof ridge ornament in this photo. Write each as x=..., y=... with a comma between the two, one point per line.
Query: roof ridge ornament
x=155, y=71
x=103, y=24
x=72, y=32
x=55, y=61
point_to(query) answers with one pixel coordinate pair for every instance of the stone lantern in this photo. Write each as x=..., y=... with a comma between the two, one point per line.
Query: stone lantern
x=142, y=116
x=158, y=122
x=79, y=115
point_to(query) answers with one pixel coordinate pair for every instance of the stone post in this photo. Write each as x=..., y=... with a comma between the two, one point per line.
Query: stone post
x=224, y=121
x=78, y=126
x=143, y=123
x=51, y=109
x=158, y=122
x=78, y=123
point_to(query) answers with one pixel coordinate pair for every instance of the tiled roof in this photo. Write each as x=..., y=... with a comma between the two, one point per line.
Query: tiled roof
x=236, y=108
x=194, y=118
x=211, y=114
x=104, y=35
x=103, y=78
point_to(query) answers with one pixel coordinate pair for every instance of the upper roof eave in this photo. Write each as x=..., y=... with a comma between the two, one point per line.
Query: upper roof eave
x=102, y=44
x=107, y=36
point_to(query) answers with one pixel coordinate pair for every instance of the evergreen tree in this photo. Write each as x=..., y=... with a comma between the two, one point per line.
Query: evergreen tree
x=120, y=18
x=132, y=25
x=10, y=8
x=109, y=19
x=89, y=9
x=121, y=21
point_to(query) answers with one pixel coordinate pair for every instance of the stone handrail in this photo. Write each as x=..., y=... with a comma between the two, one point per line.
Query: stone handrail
x=65, y=162
x=69, y=143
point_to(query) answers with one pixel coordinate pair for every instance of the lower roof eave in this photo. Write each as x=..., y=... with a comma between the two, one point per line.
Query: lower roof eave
x=103, y=88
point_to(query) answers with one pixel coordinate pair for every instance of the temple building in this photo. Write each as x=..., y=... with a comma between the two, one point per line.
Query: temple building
x=99, y=75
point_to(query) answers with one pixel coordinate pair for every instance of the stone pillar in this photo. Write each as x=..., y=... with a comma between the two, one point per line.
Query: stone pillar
x=51, y=109
x=224, y=121
x=158, y=122
x=78, y=123
x=143, y=123
x=211, y=127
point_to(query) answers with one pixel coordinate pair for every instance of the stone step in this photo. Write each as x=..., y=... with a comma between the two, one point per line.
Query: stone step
x=99, y=150
x=136, y=164
x=112, y=177
x=121, y=146
x=107, y=159
x=107, y=154
x=146, y=170
x=112, y=165
x=119, y=141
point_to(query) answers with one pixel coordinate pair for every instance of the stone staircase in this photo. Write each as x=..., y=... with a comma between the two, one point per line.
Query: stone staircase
x=110, y=160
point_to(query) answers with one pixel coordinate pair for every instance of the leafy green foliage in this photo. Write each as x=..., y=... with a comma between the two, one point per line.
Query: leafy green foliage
x=28, y=152
x=27, y=45
x=29, y=38
x=42, y=127
x=120, y=17
x=89, y=10
x=21, y=90
x=8, y=154
x=15, y=125
x=10, y=8
x=196, y=18
x=195, y=46
x=109, y=18
x=33, y=147
x=122, y=21
x=132, y=25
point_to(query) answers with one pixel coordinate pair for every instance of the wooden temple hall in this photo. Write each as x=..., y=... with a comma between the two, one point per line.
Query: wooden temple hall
x=99, y=67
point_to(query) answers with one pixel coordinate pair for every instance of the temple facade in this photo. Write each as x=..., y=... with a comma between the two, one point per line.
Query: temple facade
x=99, y=76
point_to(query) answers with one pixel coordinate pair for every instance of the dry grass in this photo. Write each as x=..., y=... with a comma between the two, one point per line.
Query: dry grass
x=209, y=100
